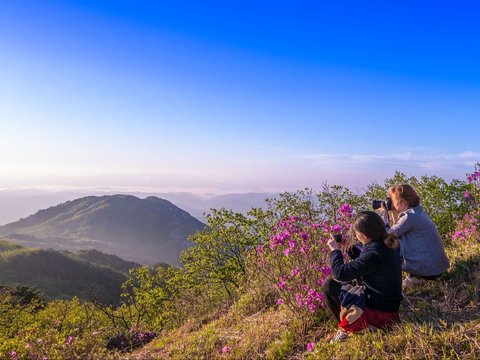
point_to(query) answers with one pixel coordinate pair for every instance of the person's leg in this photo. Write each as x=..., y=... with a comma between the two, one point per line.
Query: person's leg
x=381, y=319
x=331, y=290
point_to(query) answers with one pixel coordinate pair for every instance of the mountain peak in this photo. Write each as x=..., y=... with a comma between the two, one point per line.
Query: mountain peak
x=149, y=230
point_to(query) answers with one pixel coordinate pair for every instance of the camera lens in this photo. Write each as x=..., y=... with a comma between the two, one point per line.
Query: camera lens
x=338, y=238
x=388, y=203
x=376, y=204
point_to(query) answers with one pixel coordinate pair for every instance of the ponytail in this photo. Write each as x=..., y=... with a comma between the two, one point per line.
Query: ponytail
x=391, y=240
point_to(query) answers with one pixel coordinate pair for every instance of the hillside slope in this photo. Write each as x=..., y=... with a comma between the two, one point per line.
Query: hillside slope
x=96, y=257
x=440, y=320
x=147, y=230
x=61, y=275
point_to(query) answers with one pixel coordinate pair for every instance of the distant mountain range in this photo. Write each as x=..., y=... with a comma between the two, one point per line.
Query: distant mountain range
x=198, y=205
x=62, y=275
x=147, y=231
x=16, y=204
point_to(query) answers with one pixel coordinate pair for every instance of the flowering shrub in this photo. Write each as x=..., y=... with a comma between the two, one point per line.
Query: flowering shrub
x=467, y=227
x=472, y=197
x=295, y=260
x=63, y=329
x=131, y=340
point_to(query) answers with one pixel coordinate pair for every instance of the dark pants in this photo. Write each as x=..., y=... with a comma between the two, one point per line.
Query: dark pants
x=331, y=291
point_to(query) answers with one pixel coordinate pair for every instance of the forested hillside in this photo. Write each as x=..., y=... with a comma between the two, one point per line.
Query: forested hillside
x=63, y=275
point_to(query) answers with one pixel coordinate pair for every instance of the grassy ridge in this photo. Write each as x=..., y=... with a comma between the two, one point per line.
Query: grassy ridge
x=440, y=319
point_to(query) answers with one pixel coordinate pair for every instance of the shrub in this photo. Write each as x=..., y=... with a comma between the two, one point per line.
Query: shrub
x=296, y=262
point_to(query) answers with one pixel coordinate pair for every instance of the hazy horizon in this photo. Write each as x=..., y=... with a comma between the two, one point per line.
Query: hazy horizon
x=21, y=203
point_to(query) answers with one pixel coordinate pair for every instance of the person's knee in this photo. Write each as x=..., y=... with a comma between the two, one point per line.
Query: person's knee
x=330, y=287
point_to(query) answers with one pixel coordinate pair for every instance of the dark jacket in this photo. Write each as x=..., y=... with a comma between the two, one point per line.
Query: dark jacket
x=380, y=269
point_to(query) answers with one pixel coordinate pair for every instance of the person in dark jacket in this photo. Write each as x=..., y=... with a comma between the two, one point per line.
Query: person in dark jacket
x=377, y=265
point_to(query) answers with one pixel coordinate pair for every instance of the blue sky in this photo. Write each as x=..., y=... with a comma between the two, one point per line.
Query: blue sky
x=225, y=96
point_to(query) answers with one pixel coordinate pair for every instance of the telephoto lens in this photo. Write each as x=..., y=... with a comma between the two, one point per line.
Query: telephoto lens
x=388, y=203
x=377, y=204
x=338, y=238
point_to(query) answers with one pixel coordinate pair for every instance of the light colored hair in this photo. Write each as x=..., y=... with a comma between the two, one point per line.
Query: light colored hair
x=405, y=192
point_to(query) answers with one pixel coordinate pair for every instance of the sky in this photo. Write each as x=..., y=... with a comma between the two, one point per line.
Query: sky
x=236, y=96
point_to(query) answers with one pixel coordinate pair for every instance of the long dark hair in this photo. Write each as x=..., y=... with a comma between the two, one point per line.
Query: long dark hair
x=371, y=224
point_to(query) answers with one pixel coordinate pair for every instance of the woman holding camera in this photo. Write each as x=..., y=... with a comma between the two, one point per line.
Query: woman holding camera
x=421, y=247
x=377, y=266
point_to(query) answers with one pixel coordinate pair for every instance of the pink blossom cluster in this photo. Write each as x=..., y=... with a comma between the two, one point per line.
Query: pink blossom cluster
x=473, y=195
x=296, y=258
x=467, y=228
x=35, y=349
x=473, y=177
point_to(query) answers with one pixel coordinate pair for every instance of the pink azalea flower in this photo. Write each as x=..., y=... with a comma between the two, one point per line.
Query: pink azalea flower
x=299, y=298
x=336, y=228
x=225, y=349
x=310, y=346
x=346, y=209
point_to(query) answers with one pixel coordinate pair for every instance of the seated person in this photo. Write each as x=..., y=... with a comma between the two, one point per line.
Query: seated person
x=421, y=247
x=379, y=269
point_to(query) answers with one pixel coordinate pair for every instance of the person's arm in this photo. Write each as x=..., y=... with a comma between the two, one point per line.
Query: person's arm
x=384, y=214
x=403, y=225
x=365, y=264
x=354, y=250
x=395, y=214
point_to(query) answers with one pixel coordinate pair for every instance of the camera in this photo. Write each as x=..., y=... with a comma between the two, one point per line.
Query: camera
x=377, y=204
x=338, y=238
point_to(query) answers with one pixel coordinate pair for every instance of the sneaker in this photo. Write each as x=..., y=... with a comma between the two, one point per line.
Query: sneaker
x=411, y=282
x=340, y=336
